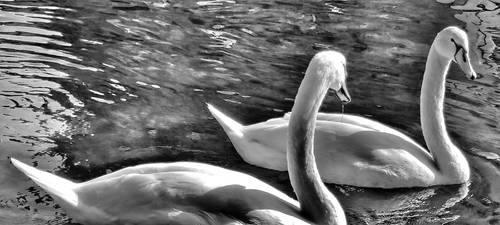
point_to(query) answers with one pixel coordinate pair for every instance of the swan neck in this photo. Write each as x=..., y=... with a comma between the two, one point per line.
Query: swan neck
x=449, y=159
x=315, y=199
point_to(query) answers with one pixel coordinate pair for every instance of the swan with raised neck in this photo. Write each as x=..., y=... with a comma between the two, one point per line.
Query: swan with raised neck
x=357, y=151
x=314, y=197
x=451, y=44
x=197, y=193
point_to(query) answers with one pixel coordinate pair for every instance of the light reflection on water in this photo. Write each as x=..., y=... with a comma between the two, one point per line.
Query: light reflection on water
x=89, y=87
x=34, y=107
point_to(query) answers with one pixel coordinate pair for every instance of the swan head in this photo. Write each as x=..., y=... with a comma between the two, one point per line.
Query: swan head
x=452, y=43
x=333, y=65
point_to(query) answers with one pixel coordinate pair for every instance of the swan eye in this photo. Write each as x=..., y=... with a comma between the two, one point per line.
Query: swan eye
x=457, y=48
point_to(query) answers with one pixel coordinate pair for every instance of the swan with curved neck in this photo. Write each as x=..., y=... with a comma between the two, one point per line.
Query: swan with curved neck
x=187, y=193
x=357, y=151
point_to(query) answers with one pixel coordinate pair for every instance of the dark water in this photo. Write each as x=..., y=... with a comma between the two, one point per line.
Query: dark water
x=88, y=87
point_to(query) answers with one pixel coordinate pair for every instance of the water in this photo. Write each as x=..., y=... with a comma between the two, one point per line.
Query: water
x=88, y=87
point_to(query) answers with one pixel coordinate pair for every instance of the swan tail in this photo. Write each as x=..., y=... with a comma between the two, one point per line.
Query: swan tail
x=54, y=185
x=230, y=126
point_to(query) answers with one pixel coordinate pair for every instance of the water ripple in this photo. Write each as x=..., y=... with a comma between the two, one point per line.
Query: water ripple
x=93, y=86
x=481, y=18
x=29, y=30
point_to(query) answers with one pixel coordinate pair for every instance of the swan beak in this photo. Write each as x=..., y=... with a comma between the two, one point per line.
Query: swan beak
x=343, y=94
x=464, y=64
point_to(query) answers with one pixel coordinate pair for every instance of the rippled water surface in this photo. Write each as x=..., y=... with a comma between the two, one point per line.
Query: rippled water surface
x=88, y=87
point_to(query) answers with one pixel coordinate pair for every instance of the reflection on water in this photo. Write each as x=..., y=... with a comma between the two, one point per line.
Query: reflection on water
x=481, y=18
x=399, y=206
x=34, y=106
x=92, y=86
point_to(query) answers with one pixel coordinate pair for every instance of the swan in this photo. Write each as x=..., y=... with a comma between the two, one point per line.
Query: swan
x=357, y=151
x=187, y=193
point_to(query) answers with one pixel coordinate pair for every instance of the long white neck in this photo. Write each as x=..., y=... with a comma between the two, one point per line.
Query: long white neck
x=449, y=159
x=315, y=199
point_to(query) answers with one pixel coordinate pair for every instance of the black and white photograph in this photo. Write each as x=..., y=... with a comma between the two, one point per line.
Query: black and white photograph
x=249, y=112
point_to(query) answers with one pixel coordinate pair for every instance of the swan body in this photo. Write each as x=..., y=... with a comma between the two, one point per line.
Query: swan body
x=169, y=193
x=187, y=193
x=353, y=150
x=357, y=151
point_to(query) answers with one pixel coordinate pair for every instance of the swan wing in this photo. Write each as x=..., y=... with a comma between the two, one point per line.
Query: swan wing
x=152, y=168
x=385, y=154
x=352, y=119
x=269, y=134
x=194, y=191
x=353, y=155
x=272, y=135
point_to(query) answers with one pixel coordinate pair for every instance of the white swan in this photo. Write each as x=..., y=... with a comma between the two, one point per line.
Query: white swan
x=357, y=151
x=187, y=193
